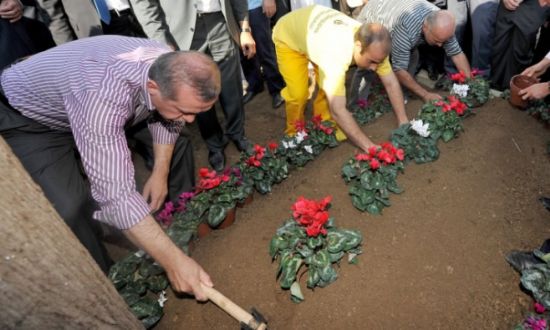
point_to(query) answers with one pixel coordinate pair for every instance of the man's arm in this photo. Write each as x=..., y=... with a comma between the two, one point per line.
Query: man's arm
x=347, y=123
x=151, y=18
x=462, y=64
x=408, y=81
x=156, y=187
x=184, y=273
x=395, y=94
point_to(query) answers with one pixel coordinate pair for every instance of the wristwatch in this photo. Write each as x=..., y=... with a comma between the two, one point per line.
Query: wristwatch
x=246, y=30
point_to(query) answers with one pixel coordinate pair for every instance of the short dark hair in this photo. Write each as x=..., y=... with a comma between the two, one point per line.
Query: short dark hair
x=195, y=69
x=369, y=33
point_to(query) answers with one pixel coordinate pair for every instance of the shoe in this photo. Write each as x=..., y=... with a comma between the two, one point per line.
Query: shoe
x=277, y=101
x=242, y=144
x=249, y=95
x=521, y=260
x=216, y=160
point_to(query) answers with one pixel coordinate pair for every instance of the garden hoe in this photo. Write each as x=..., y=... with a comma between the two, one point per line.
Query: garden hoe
x=254, y=321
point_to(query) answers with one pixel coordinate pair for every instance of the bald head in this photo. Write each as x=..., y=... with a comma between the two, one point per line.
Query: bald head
x=439, y=26
x=195, y=69
x=373, y=34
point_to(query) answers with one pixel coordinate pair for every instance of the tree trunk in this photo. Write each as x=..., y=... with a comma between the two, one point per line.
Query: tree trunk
x=47, y=278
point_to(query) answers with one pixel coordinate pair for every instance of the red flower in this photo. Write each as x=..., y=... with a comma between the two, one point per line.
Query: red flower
x=372, y=151
x=400, y=154
x=459, y=77
x=272, y=146
x=362, y=103
x=311, y=214
x=363, y=157
x=476, y=72
x=252, y=161
x=539, y=308
x=317, y=120
x=300, y=125
x=386, y=157
x=325, y=129
x=374, y=164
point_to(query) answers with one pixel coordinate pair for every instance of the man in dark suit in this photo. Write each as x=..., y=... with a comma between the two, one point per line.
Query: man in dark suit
x=20, y=36
x=214, y=27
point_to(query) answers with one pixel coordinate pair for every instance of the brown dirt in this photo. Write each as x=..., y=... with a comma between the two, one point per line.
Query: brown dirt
x=434, y=259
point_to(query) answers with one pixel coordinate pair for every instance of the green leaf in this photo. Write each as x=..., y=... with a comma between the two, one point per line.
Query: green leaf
x=313, y=277
x=314, y=242
x=335, y=257
x=289, y=269
x=296, y=292
x=373, y=208
x=216, y=214
x=321, y=259
x=448, y=135
x=336, y=241
x=328, y=274
x=157, y=283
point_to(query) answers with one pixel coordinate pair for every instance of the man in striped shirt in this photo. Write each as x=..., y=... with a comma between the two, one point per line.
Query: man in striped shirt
x=411, y=23
x=76, y=101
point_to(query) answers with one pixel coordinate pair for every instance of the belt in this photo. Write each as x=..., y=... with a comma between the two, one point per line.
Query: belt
x=208, y=13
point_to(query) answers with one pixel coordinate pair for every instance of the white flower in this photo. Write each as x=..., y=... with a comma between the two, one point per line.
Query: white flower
x=420, y=128
x=460, y=90
x=289, y=145
x=308, y=149
x=162, y=298
x=300, y=136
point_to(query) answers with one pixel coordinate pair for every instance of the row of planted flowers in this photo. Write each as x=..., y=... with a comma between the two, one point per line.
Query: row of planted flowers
x=310, y=238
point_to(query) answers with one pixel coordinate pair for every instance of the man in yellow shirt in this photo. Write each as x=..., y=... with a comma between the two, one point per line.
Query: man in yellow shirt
x=332, y=42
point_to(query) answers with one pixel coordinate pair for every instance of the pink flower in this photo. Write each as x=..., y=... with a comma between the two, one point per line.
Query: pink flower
x=362, y=103
x=539, y=308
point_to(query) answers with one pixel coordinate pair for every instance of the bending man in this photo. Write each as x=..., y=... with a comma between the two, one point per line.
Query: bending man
x=332, y=42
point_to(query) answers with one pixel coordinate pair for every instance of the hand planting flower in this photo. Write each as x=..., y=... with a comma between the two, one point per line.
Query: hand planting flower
x=372, y=175
x=311, y=240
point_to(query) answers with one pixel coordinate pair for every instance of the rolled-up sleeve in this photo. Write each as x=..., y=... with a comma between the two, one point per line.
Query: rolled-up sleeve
x=98, y=129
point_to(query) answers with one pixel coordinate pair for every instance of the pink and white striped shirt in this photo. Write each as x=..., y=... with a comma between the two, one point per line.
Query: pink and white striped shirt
x=95, y=87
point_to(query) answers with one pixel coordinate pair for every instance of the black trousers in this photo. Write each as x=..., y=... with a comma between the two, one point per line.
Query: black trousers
x=52, y=160
x=265, y=60
x=212, y=37
x=514, y=41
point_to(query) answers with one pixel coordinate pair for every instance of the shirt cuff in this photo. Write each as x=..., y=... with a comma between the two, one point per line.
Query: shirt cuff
x=124, y=214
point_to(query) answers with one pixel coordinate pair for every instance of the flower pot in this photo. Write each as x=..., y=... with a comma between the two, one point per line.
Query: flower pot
x=517, y=83
x=246, y=201
x=229, y=218
x=203, y=229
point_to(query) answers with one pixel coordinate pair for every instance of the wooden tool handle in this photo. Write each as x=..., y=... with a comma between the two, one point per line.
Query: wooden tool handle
x=232, y=309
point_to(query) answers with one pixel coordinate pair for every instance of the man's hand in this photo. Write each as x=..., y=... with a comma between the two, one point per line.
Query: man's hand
x=538, y=69
x=184, y=273
x=511, y=4
x=269, y=8
x=431, y=96
x=248, y=45
x=11, y=10
x=155, y=190
x=536, y=91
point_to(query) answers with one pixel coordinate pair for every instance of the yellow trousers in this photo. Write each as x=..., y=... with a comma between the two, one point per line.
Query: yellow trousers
x=293, y=66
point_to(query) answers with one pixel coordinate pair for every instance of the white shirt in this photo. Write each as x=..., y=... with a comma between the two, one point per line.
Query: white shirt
x=207, y=6
x=118, y=5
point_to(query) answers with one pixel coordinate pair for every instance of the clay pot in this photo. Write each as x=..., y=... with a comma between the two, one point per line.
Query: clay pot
x=517, y=83
x=246, y=201
x=229, y=219
x=203, y=229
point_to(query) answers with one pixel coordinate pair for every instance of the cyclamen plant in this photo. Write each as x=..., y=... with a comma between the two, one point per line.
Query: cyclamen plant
x=444, y=117
x=372, y=176
x=310, y=239
x=262, y=167
x=378, y=103
x=473, y=90
x=414, y=139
